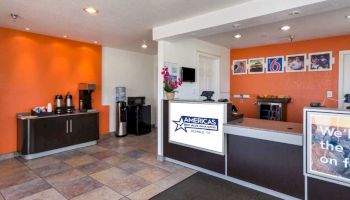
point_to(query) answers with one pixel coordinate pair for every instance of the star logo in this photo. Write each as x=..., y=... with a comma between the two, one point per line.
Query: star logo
x=180, y=125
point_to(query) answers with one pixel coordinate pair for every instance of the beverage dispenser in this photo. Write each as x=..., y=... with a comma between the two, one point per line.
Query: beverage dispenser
x=121, y=112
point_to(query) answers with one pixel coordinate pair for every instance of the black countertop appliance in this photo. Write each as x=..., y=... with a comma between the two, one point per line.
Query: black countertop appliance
x=85, y=100
x=138, y=116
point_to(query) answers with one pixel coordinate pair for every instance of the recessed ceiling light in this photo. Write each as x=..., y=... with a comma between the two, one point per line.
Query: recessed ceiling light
x=348, y=17
x=237, y=36
x=91, y=10
x=95, y=42
x=65, y=36
x=27, y=29
x=14, y=16
x=285, y=28
x=144, y=45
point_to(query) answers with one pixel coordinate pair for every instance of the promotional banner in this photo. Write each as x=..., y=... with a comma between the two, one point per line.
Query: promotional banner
x=328, y=146
x=198, y=125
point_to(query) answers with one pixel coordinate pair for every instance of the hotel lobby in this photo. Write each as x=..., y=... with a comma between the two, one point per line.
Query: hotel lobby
x=168, y=100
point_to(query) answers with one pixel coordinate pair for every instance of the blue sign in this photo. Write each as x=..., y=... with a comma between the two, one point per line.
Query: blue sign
x=188, y=122
x=274, y=65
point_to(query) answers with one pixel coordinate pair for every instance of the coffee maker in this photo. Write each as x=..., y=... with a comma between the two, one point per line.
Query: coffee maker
x=85, y=100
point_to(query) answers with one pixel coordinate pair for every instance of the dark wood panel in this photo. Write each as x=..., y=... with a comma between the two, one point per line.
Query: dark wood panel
x=322, y=190
x=273, y=165
x=48, y=133
x=210, y=161
x=84, y=128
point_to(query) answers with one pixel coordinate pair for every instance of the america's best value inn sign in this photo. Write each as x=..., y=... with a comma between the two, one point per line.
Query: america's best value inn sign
x=197, y=125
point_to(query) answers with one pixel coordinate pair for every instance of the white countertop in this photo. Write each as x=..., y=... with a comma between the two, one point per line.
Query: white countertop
x=276, y=131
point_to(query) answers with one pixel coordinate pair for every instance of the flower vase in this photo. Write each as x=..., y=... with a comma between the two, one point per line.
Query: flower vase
x=170, y=95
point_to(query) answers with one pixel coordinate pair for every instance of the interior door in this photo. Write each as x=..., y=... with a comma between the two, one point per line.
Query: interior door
x=208, y=74
x=344, y=78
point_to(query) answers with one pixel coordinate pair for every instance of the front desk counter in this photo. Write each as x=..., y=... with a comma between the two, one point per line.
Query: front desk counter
x=264, y=155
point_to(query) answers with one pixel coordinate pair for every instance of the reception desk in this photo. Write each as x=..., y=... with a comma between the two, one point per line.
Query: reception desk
x=188, y=149
x=264, y=155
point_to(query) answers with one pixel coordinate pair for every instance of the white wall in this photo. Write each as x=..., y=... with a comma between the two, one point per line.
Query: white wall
x=135, y=71
x=185, y=54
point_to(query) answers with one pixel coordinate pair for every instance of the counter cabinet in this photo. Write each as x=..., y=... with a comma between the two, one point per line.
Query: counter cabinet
x=42, y=134
x=272, y=165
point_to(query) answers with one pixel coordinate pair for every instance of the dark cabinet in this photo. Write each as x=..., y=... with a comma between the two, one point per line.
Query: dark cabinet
x=83, y=128
x=48, y=133
x=138, y=119
x=41, y=134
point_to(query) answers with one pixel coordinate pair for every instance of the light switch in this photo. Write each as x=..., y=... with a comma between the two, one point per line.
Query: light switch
x=329, y=94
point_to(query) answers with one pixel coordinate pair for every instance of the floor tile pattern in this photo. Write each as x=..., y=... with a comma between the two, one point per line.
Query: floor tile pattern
x=123, y=168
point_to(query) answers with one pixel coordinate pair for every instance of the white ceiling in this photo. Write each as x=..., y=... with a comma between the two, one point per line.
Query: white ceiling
x=324, y=20
x=121, y=24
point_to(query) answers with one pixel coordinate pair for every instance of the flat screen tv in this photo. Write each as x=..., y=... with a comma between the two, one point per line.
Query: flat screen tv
x=188, y=74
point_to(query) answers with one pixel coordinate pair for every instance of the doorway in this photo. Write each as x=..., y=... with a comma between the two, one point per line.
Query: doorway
x=344, y=80
x=208, y=74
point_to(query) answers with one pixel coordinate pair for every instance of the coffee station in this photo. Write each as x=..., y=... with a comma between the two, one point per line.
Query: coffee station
x=45, y=131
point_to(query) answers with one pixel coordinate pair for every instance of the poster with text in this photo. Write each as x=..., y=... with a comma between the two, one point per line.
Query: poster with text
x=328, y=146
x=197, y=125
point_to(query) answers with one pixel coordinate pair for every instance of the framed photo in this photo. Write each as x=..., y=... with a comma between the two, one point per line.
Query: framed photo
x=321, y=61
x=256, y=65
x=275, y=64
x=296, y=63
x=239, y=67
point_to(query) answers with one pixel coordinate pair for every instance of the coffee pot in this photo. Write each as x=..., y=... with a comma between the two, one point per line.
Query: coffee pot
x=58, y=104
x=69, y=103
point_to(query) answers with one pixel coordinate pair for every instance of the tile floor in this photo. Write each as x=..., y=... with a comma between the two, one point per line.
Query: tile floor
x=117, y=168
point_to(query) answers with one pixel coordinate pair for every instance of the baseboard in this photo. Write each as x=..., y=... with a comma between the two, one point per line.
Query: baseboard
x=106, y=135
x=8, y=155
x=59, y=150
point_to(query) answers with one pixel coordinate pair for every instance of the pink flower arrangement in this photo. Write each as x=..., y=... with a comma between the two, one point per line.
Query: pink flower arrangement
x=170, y=84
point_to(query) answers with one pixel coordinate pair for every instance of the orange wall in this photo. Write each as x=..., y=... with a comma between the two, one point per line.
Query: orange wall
x=303, y=87
x=34, y=68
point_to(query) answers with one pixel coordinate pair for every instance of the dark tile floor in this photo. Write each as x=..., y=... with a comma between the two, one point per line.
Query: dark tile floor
x=116, y=168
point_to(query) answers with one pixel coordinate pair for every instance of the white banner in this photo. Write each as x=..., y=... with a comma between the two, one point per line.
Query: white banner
x=328, y=146
x=198, y=125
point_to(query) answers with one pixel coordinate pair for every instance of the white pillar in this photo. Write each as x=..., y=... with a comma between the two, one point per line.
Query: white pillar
x=160, y=95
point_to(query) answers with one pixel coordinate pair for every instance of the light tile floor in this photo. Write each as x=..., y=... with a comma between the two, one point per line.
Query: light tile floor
x=116, y=168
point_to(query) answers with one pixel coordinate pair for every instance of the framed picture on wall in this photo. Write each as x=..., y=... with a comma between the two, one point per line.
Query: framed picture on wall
x=256, y=65
x=239, y=67
x=296, y=63
x=321, y=61
x=275, y=64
